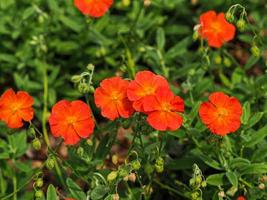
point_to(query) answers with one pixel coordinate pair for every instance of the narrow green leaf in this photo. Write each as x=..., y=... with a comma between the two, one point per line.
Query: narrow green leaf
x=232, y=177
x=51, y=193
x=160, y=38
x=75, y=190
x=99, y=192
x=215, y=179
x=257, y=137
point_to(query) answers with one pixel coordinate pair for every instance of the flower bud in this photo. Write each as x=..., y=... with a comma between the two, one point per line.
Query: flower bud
x=126, y=3
x=39, y=183
x=76, y=78
x=36, y=144
x=192, y=182
x=194, y=195
x=123, y=172
x=91, y=89
x=89, y=142
x=198, y=180
x=136, y=165
x=218, y=59
x=115, y=197
x=204, y=184
x=90, y=67
x=261, y=186
x=159, y=168
x=147, y=3
x=160, y=161
x=50, y=163
x=80, y=151
x=221, y=194
x=241, y=24
x=195, y=36
x=132, y=177
x=83, y=88
x=112, y=176
x=227, y=62
x=115, y=159
x=31, y=131
x=39, y=194
x=229, y=17
x=255, y=51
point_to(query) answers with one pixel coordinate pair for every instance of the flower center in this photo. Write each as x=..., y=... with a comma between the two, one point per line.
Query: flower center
x=71, y=120
x=149, y=90
x=15, y=107
x=216, y=27
x=166, y=107
x=115, y=96
x=222, y=112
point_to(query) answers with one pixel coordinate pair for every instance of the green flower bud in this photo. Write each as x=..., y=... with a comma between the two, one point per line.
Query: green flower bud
x=89, y=142
x=241, y=24
x=159, y=168
x=115, y=159
x=198, y=180
x=195, y=36
x=31, y=131
x=160, y=161
x=192, y=182
x=204, y=184
x=218, y=59
x=194, y=195
x=80, y=151
x=123, y=172
x=136, y=165
x=90, y=67
x=76, y=78
x=126, y=3
x=91, y=89
x=227, y=62
x=229, y=17
x=39, y=183
x=112, y=176
x=39, y=194
x=83, y=88
x=115, y=197
x=36, y=144
x=255, y=51
x=50, y=163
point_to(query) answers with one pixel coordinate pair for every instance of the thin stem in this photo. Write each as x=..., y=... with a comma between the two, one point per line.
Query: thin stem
x=44, y=116
x=14, y=186
x=171, y=189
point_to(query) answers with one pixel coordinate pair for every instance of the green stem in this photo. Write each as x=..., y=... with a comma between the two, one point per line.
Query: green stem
x=44, y=116
x=171, y=189
x=14, y=187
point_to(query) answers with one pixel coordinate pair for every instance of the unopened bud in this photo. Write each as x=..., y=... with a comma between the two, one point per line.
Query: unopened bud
x=36, y=144
x=39, y=194
x=89, y=142
x=241, y=24
x=227, y=62
x=39, y=183
x=112, y=176
x=83, y=88
x=160, y=161
x=50, y=163
x=194, y=195
x=136, y=165
x=80, y=151
x=221, y=194
x=255, y=51
x=218, y=60
x=76, y=78
x=132, y=177
x=261, y=186
x=115, y=197
x=123, y=172
x=159, y=168
x=90, y=67
x=115, y=159
x=31, y=131
x=147, y=3
x=229, y=17
x=195, y=35
x=204, y=184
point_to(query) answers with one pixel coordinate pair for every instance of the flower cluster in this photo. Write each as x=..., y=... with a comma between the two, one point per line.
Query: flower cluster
x=148, y=93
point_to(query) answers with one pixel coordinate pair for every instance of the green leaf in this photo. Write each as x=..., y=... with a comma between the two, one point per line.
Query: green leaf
x=257, y=137
x=70, y=23
x=232, y=177
x=246, y=113
x=215, y=179
x=51, y=193
x=251, y=61
x=237, y=163
x=160, y=38
x=209, y=161
x=255, y=168
x=254, y=119
x=18, y=144
x=99, y=192
x=75, y=190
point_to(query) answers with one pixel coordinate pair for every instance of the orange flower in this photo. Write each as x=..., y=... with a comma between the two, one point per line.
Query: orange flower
x=241, y=198
x=16, y=108
x=215, y=29
x=162, y=110
x=71, y=120
x=221, y=114
x=94, y=8
x=143, y=87
x=111, y=98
